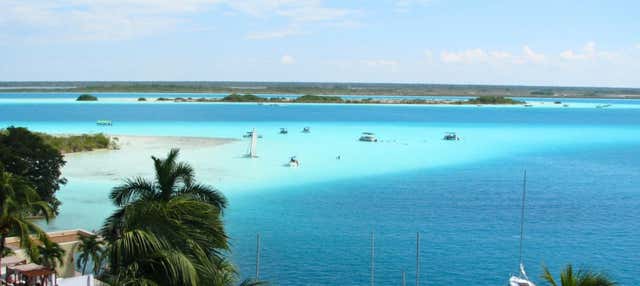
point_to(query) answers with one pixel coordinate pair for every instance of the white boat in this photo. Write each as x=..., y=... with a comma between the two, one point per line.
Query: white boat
x=252, y=147
x=522, y=279
x=293, y=162
x=368, y=137
x=283, y=131
x=104, y=123
x=306, y=130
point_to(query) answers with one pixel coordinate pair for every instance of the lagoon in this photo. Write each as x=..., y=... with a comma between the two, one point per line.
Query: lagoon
x=315, y=220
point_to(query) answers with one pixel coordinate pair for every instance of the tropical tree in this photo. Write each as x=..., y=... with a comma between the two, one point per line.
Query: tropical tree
x=580, y=278
x=91, y=249
x=168, y=222
x=27, y=155
x=48, y=254
x=138, y=257
x=18, y=200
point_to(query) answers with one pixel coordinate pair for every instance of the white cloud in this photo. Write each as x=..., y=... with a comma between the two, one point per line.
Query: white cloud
x=381, y=63
x=404, y=6
x=287, y=60
x=531, y=56
x=588, y=52
x=124, y=19
x=478, y=55
x=287, y=32
x=638, y=46
x=466, y=56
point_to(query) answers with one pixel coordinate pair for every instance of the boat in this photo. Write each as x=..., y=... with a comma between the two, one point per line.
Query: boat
x=528, y=105
x=603, y=105
x=306, y=130
x=565, y=105
x=451, y=136
x=293, y=162
x=252, y=146
x=521, y=279
x=249, y=134
x=368, y=137
x=283, y=131
x=104, y=123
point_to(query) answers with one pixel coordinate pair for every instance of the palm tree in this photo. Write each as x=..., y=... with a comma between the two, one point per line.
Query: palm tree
x=48, y=254
x=138, y=257
x=18, y=199
x=168, y=215
x=91, y=249
x=581, y=278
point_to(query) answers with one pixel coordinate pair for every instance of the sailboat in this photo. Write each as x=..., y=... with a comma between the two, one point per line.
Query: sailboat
x=252, y=146
x=522, y=279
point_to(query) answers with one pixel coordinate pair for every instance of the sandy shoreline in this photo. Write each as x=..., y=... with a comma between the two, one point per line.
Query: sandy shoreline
x=132, y=158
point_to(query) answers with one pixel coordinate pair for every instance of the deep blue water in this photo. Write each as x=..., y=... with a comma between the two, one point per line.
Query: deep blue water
x=582, y=208
x=583, y=205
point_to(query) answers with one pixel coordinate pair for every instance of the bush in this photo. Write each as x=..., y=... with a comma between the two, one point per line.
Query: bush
x=234, y=97
x=318, y=99
x=487, y=99
x=142, y=99
x=86, y=97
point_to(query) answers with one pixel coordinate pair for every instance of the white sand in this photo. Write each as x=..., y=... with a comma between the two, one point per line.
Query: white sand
x=133, y=156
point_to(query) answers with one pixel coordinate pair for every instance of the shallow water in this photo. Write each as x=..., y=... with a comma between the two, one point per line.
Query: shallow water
x=462, y=196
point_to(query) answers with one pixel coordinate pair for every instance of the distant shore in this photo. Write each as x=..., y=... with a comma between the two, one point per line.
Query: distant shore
x=301, y=88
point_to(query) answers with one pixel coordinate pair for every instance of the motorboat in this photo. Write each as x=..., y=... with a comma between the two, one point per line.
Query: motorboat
x=603, y=105
x=521, y=279
x=451, y=136
x=293, y=162
x=306, y=130
x=368, y=137
x=249, y=134
x=283, y=131
x=104, y=123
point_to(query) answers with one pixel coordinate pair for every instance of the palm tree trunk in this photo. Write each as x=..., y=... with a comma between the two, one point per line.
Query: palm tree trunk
x=2, y=244
x=84, y=266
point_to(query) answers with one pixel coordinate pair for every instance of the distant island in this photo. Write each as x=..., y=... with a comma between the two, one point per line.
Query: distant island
x=318, y=88
x=86, y=97
x=252, y=98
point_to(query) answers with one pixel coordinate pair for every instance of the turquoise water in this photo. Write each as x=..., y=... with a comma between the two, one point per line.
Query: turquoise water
x=315, y=221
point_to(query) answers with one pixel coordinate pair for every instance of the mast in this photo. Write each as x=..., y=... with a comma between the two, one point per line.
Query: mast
x=254, y=141
x=524, y=194
x=417, y=258
x=373, y=263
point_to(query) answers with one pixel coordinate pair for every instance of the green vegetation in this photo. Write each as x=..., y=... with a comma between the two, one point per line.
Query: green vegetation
x=542, y=92
x=86, y=97
x=486, y=99
x=234, y=97
x=168, y=231
x=327, y=88
x=581, y=278
x=18, y=200
x=78, y=143
x=30, y=157
x=91, y=249
x=318, y=99
x=142, y=99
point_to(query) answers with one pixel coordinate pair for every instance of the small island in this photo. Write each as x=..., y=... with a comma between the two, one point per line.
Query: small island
x=86, y=97
x=309, y=98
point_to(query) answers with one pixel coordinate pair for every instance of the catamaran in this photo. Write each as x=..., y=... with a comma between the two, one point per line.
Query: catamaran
x=252, y=146
x=522, y=279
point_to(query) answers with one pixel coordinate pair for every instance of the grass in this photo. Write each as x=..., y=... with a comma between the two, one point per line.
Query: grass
x=79, y=143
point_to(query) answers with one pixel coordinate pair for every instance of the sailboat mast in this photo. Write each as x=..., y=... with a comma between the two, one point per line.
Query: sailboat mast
x=254, y=140
x=524, y=194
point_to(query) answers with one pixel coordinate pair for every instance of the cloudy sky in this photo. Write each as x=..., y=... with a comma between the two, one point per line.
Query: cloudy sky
x=586, y=43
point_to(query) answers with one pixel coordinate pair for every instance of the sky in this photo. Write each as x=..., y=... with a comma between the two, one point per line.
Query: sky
x=569, y=43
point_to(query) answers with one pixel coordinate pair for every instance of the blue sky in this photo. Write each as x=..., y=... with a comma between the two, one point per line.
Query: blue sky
x=585, y=43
